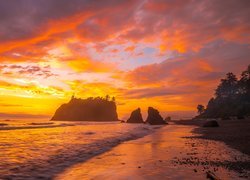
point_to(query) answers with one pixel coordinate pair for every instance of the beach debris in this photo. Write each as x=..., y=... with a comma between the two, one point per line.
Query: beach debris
x=212, y=176
x=89, y=133
x=154, y=117
x=135, y=117
x=211, y=123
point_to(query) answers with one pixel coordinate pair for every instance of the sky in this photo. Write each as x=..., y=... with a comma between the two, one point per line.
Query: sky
x=168, y=54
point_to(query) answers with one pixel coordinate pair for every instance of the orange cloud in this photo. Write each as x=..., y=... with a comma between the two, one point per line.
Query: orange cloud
x=201, y=40
x=86, y=65
x=205, y=66
x=130, y=48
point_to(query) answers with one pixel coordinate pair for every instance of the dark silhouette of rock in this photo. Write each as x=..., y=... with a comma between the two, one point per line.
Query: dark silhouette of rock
x=90, y=109
x=167, y=119
x=154, y=117
x=211, y=123
x=135, y=117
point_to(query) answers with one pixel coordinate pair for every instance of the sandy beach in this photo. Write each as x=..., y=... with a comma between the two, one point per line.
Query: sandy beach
x=165, y=154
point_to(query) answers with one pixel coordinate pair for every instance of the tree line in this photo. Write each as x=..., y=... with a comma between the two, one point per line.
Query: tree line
x=231, y=98
x=98, y=98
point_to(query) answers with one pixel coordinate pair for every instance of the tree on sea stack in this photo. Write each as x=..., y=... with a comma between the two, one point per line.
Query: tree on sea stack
x=89, y=109
x=107, y=97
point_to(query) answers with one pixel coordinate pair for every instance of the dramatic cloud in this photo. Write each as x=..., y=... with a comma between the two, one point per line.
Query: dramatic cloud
x=27, y=18
x=170, y=54
x=30, y=70
x=210, y=63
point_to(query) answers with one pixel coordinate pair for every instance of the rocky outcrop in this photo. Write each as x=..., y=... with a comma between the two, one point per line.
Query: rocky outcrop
x=91, y=109
x=211, y=123
x=135, y=117
x=168, y=118
x=154, y=117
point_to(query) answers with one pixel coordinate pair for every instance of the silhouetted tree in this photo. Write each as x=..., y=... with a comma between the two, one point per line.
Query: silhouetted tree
x=227, y=87
x=107, y=97
x=232, y=97
x=244, y=83
x=113, y=99
x=200, y=108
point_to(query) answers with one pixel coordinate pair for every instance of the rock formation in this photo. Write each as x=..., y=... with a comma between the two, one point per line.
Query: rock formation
x=91, y=109
x=154, y=117
x=168, y=118
x=135, y=117
x=211, y=123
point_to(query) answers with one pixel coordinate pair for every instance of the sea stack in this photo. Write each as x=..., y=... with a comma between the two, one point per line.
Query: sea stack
x=154, y=117
x=135, y=117
x=90, y=109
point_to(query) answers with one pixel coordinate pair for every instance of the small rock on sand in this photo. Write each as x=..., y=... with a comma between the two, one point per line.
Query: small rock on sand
x=211, y=123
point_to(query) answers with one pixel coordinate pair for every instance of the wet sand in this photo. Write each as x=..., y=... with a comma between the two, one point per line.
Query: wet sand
x=164, y=154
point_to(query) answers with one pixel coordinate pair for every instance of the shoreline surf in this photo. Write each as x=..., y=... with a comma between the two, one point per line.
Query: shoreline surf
x=164, y=153
x=78, y=144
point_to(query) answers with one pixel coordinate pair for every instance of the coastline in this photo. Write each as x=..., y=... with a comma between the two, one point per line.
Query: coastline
x=174, y=151
x=166, y=154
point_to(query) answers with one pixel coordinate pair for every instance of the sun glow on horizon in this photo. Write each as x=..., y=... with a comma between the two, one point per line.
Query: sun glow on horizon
x=145, y=53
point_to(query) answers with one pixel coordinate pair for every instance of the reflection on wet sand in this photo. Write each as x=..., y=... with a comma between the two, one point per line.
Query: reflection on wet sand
x=161, y=155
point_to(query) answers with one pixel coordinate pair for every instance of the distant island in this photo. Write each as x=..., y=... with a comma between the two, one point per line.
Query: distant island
x=90, y=109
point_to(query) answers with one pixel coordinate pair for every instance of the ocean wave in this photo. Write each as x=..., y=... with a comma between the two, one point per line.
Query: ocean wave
x=43, y=123
x=3, y=124
x=72, y=145
x=33, y=126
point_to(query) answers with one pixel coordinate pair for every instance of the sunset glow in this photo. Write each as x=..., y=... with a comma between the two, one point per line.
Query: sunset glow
x=165, y=54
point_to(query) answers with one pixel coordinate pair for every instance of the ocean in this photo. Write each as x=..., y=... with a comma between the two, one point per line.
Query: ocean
x=42, y=149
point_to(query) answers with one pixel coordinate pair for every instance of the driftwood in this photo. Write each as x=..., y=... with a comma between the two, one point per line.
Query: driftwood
x=212, y=176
